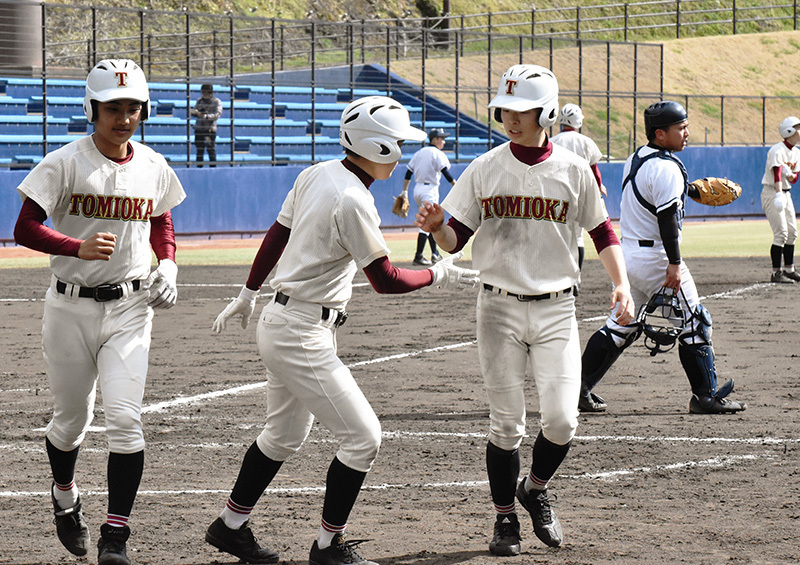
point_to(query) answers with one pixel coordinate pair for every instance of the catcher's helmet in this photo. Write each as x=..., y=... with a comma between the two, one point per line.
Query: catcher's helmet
x=116, y=79
x=571, y=115
x=437, y=132
x=661, y=115
x=789, y=126
x=661, y=320
x=372, y=127
x=525, y=87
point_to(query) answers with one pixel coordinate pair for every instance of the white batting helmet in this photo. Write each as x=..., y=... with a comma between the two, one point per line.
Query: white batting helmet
x=789, y=126
x=372, y=127
x=571, y=115
x=116, y=79
x=525, y=87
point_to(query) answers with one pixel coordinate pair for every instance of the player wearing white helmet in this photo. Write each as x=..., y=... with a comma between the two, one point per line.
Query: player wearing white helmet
x=530, y=198
x=781, y=172
x=428, y=165
x=570, y=118
x=109, y=199
x=327, y=228
x=651, y=218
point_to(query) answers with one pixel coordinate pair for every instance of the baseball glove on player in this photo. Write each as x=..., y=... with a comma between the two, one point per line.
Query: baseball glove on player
x=713, y=191
x=401, y=205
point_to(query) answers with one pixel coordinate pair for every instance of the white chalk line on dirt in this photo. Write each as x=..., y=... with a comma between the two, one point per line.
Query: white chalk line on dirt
x=714, y=462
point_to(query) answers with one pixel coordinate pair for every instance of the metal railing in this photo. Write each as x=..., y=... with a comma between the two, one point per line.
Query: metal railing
x=454, y=60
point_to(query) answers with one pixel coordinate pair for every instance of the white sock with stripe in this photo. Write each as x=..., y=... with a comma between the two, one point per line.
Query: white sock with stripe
x=66, y=495
x=235, y=515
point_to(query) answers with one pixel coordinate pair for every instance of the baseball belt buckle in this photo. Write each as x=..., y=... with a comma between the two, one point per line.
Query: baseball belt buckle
x=106, y=292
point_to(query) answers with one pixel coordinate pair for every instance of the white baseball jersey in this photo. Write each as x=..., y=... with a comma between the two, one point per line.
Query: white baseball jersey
x=335, y=231
x=777, y=156
x=529, y=217
x=427, y=165
x=580, y=144
x=85, y=193
x=661, y=184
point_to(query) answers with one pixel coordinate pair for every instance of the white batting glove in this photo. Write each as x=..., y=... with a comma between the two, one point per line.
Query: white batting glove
x=242, y=306
x=448, y=276
x=162, y=284
x=780, y=203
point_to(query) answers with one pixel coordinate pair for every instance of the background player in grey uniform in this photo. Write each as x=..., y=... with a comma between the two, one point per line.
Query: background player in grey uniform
x=651, y=213
x=428, y=165
x=207, y=110
x=328, y=228
x=109, y=199
x=570, y=119
x=783, y=163
x=530, y=199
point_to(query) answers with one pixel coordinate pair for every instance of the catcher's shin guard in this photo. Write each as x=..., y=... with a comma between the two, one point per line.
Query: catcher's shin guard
x=698, y=363
x=601, y=352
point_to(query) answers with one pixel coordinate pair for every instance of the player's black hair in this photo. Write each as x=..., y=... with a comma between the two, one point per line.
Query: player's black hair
x=498, y=115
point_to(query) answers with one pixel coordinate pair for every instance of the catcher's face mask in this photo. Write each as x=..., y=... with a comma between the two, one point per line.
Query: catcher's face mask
x=661, y=320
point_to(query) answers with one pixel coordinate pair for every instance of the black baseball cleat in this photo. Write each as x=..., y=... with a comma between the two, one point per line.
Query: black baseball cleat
x=506, y=539
x=339, y=552
x=422, y=261
x=111, y=545
x=714, y=405
x=545, y=522
x=240, y=543
x=590, y=402
x=73, y=533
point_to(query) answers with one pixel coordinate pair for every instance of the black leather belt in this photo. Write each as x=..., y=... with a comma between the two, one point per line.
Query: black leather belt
x=528, y=297
x=646, y=243
x=102, y=293
x=341, y=317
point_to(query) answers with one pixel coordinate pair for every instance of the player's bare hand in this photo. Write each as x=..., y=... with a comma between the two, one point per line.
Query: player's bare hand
x=603, y=189
x=430, y=217
x=99, y=247
x=242, y=306
x=673, y=279
x=622, y=303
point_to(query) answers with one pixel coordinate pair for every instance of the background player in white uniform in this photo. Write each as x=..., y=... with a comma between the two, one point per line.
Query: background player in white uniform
x=428, y=165
x=530, y=199
x=783, y=163
x=651, y=213
x=109, y=199
x=327, y=228
x=570, y=119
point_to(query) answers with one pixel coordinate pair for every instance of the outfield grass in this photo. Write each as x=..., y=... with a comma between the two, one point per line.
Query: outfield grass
x=744, y=238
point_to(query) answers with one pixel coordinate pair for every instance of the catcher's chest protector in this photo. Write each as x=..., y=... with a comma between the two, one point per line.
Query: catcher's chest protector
x=636, y=164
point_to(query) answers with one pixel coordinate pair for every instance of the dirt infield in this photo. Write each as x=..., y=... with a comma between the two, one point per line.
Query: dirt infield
x=644, y=483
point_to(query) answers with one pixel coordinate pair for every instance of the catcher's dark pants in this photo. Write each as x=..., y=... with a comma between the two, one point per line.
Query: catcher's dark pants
x=206, y=141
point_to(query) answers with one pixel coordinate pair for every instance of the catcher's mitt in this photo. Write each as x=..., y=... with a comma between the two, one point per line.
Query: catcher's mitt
x=713, y=191
x=400, y=207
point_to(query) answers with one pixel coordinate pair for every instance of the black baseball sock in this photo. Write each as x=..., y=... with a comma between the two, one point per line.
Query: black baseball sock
x=342, y=487
x=124, y=476
x=788, y=255
x=547, y=457
x=503, y=469
x=255, y=475
x=62, y=463
x=775, y=253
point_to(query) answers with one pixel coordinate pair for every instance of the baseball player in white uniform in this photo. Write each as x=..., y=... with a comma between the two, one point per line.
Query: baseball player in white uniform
x=781, y=172
x=109, y=199
x=570, y=119
x=654, y=188
x=428, y=165
x=530, y=198
x=327, y=228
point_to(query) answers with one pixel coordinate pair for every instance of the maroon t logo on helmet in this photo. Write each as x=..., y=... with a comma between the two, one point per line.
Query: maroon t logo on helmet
x=122, y=78
x=510, y=86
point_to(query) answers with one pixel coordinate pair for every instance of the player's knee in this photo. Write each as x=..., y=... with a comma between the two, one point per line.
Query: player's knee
x=560, y=430
x=360, y=452
x=506, y=434
x=124, y=430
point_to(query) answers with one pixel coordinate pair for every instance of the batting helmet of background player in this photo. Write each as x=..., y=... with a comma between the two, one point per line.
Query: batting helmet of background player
x=525, y=87
x=373, y=127
x=571, y=115
x=115, y=79
x=789, y=126
x=437, y=132
x=661, y=115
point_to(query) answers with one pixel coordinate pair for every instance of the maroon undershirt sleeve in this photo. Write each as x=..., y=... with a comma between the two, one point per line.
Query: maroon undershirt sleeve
x=268, y=254
x=162, y=236
x=604, y=236
x=597, y=176
x=463, y=233
x=31, y=232
x=385, y=278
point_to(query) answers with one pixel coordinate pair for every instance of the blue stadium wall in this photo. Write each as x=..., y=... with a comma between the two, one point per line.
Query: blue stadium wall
x=248, y=199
